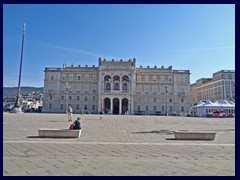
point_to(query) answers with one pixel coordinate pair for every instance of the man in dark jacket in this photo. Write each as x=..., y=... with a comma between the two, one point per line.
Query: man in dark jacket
x=77, y=124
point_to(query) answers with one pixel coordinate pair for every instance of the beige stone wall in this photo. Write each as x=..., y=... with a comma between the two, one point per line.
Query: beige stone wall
x=117, y=86
x=220, y=86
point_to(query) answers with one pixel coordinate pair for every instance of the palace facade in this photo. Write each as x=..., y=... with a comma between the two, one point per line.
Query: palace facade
x=116, y=87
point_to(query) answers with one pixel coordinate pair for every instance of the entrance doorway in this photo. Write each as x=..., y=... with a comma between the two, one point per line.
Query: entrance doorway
x=115, y=106
x=107, y=105
x=124, y=105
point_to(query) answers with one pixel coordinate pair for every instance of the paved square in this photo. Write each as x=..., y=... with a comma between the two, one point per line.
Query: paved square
x=117, y=145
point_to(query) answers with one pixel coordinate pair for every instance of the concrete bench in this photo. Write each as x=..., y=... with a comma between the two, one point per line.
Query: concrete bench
x=190, y=135
x=59, y=133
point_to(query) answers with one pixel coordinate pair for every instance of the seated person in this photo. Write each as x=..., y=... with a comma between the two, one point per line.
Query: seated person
x=76, y=123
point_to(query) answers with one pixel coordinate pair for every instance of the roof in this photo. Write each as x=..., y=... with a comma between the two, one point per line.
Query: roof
x=217, y=104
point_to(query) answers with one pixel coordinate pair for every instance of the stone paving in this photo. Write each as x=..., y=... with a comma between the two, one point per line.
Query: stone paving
x=124, y=145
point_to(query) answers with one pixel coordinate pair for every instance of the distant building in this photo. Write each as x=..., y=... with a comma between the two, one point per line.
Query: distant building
x=116, y=87
x=220, y=87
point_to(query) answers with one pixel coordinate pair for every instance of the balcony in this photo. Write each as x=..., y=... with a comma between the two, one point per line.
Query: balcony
x=181, y=94
x=125, y=91
x=107, y=90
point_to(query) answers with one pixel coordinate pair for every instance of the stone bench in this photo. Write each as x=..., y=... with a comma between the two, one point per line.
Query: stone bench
x=59, y=133
x=190, y=135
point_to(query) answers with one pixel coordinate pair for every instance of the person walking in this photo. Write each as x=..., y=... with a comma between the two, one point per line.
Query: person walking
x=70, y=111
x=101, y=114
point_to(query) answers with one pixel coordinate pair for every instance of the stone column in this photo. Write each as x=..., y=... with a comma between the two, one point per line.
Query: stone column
x=120, y=86
x=111, y=106
x=120, y=106
x=132, y=106
x=111, y=83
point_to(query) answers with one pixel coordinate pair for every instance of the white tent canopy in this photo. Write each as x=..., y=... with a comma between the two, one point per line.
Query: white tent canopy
x=202, y=108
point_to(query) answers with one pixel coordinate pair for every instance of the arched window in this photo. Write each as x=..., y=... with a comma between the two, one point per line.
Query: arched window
x=116, y=81
x=108, y=86
x=107, y=82
x=116, y=78
x=107, y=78
x=125, y=82
x=116, y=86
x=125, y=79
x=124, y=87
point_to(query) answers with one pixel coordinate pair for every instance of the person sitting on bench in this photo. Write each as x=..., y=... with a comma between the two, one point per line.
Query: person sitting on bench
x=76, y=124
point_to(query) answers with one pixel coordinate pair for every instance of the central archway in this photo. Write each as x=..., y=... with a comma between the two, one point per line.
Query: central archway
x=107, y=105
x=115, y=106
x=124, y=105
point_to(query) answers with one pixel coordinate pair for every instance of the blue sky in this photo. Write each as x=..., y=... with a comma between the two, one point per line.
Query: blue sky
x=199, y=38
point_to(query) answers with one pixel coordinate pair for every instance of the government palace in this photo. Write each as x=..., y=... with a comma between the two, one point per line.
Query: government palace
x=116, y=87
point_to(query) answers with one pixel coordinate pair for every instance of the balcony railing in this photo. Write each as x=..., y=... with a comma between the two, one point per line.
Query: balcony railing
x=181, y=94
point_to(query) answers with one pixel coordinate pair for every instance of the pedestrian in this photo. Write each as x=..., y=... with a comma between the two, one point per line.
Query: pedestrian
x=70, y=111
x=101, y=114
x=76, y=124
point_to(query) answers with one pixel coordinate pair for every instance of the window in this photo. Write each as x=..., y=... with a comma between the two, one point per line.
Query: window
x=146, y=108
x=50, y=97
x=162, y=108
x=170, y=100
x=63, y=78
x=93, y=98
x=62, y=97
x=171, y=109
x=138, y=108
x=182, y=100
x=154, y=108
x=61, y=106
x=93, y=107
x=162, y=78
x=146, y=89
x=154, y=89
x=154, y=99
x=87, y=77
x=52, y=77
x=77, y=107
x=182, y=108
x=50, y=106
x=71, y=77
x=124, y=87
x=116, y=86
x=78, y=98
x=85, y=98
x=79, y=78
x=147, y=78
x=154, y=78
x=108, y=86
x=70, y=98
x=85, y=107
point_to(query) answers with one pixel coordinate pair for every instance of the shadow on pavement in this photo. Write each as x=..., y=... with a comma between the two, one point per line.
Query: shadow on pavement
x=157, y=131
x=34, y=137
